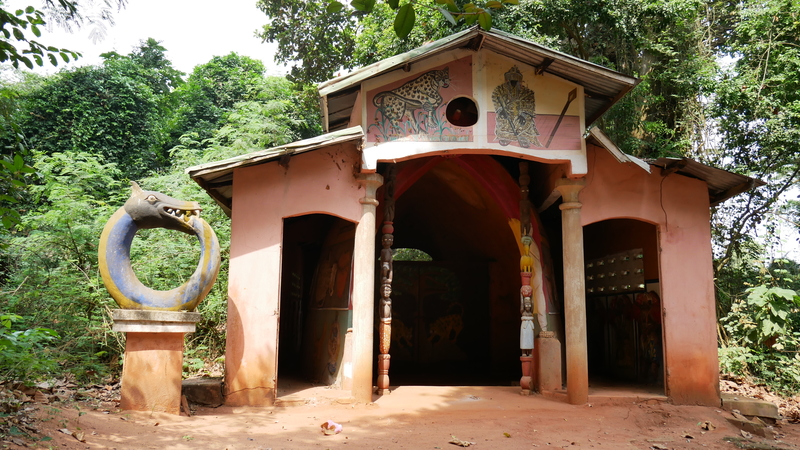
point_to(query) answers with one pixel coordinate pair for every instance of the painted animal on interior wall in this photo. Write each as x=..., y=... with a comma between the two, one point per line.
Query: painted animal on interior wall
x=149, y=209
x=421, y=93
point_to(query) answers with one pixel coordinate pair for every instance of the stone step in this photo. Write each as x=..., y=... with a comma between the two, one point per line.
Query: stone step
x=750, y=406
x=203, y=391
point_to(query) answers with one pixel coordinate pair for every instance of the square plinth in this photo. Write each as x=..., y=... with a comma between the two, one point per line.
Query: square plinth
x=151, y=373
x=548, y=366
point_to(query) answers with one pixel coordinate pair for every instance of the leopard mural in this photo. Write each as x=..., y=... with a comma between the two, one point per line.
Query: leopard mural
x=421, y=93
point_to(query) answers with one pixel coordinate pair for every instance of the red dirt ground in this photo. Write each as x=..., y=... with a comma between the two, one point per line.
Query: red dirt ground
x=412, y=417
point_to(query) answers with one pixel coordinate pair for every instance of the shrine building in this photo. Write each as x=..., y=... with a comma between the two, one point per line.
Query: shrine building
x=461, y=206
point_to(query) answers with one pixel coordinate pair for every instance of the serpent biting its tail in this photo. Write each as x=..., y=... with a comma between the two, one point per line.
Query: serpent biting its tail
x=148, y=209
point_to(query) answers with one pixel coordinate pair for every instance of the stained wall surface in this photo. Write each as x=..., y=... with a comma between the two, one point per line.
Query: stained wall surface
x=315, y=182
x=679, y=207
x=151, y=375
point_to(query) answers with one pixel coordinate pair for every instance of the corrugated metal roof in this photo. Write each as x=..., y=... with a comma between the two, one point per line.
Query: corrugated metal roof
x=603, y=87
x=722, y=184
x=217, y=177
x=599, y=137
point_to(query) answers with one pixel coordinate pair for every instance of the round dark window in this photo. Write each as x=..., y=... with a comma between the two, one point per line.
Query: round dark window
x=462, y=112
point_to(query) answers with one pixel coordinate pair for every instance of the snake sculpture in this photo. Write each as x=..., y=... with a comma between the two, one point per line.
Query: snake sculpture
x=148, y=209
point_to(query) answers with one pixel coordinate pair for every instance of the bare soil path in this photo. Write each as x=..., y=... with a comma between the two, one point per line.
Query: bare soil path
x=411, y=417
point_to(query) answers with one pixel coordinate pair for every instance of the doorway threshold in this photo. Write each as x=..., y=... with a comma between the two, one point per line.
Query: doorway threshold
x=602, y=394
x=295, y=392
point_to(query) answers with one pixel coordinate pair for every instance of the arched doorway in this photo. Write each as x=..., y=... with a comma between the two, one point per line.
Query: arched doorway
x=456, y=319
x=623, y=307
x=315, y=310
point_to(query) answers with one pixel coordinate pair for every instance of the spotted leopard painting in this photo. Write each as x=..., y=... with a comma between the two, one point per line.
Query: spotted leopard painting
x=413, y=108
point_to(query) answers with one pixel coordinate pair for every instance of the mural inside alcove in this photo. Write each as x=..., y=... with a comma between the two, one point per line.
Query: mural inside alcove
x=413, y=108
x=516, y=120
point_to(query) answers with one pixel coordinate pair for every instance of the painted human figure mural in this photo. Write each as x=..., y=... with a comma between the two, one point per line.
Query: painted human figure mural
x=515, y=106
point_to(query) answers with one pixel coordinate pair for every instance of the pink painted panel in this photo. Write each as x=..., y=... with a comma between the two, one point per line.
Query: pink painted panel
x=316, y=182
x=567, y=136
x=413, y=108
x=679, y=207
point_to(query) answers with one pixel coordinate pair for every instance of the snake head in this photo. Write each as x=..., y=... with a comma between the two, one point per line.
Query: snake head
x=150, y=209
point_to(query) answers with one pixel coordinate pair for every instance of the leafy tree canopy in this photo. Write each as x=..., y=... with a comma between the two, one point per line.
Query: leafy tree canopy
x=108, y=111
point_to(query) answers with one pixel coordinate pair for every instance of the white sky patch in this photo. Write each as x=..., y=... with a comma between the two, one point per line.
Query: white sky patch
x=192, y=31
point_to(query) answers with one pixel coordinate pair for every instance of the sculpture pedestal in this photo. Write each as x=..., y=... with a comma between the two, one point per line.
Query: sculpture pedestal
x=526, y=382
x=383, y=374
x=549, y=362
x=151, y=373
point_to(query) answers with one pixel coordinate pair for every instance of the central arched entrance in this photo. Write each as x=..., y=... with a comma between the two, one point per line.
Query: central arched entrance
x=456, y=318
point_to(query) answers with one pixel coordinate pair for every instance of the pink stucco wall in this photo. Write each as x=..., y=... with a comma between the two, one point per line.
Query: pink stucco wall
x=321, y=181
x=679, y=207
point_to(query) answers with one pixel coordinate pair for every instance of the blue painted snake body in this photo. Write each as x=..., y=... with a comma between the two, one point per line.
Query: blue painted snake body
x=148, y=209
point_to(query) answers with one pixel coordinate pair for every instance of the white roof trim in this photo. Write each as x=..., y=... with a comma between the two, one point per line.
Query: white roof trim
x=612, y=148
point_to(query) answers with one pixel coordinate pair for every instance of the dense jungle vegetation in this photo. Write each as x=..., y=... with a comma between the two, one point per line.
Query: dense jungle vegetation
x=720, y=84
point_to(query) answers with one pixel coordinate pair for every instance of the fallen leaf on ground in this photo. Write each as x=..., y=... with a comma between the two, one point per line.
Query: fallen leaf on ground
x=459, y=442
x=707, y=425
x=746, y=435
x=38, y=397
x=79, y=435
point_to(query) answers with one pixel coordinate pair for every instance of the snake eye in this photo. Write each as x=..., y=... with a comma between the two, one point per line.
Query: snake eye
x=151, y=198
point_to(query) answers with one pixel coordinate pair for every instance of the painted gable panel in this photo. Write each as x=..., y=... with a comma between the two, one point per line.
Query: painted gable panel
x=413, y=108
x=516, y=111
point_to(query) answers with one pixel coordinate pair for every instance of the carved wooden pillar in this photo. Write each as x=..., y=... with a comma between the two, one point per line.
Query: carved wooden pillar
x=387, y=273
x=364, y=289
x=526, y=292
x=574, y=292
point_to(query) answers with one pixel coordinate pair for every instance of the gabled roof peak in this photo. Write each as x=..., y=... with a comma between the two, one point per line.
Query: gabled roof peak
x=602, y=86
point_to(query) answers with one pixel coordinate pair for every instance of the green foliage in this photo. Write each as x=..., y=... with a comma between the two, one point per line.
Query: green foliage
x=16, y=47
x=377, y=39
x=304, y=28
x=756, y=109
x=52, y=259
x=762, y=333
x=363, y=33
x=12, y=172
x=24, y=353
x=410, y=254
x=763, y=317
x=212, y=90
x=659, y=42
x=107, y=111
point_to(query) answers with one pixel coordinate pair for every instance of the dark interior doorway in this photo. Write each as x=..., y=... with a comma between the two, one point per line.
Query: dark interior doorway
x=456, y=318
x=623, y=307
x=315, y=293
x=440, y=323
